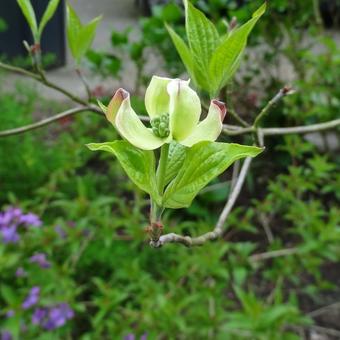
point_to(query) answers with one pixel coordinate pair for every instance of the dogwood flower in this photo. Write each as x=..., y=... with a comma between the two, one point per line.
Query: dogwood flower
x=174, y=110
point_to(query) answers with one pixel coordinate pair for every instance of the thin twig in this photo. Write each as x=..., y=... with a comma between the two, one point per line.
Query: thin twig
x=66, y=93
x=329, y=331
x=41, y=77
x=234, y=195
x=238, y=118
x=266, y=227
x=48, y=121
x=282, y=131
x=236, y=169
x=217, y=232
x=85, y=83
x=19, y=70
x=322, y=310
x=272, y=254
x=282, y=93
x=231, y=130
x=302, y=129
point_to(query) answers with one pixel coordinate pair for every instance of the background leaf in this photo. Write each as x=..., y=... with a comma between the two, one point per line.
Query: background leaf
x=27, y=10
x=227, y=55
x=202, y=36
x=48, y=14
x=204, y=161
x=138, y=164
x=80, y=37
x=183, y=51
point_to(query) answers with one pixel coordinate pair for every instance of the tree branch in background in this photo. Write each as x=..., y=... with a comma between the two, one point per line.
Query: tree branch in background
x=232, y=130
x=85, y=83
x=41, y=78
x=49, y=120
x=272, y=254
x=19, y=70
x=238, y=118
x=218, y=231
x=285, y=91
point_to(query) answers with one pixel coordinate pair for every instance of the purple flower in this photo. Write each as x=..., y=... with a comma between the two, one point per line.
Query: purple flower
x=10, y=313
x=60, y=231
x=32, y=298
x=40, y=259
x=20, y=272
x=58, y=315
x=39, y=315
x=10, y=221
x=30, y=219
x=130, y=336
x=5, y=335
x=9, y=234
x=52, y=317
x=11, y=215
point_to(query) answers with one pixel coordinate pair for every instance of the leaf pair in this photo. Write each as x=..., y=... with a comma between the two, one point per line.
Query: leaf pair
x=27, y=10
x=188, y=169
x=211, y=60
x=80, y=37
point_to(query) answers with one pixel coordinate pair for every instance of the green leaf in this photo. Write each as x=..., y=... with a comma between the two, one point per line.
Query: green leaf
x=202, y=36
x=48, y=14
x=227, y=55
x=8, y=294
x=138, y=164
x=80, y=37
x=204, y=161
x=175, y=161
x=74, y=28
x=183, y=51
x=27, y=10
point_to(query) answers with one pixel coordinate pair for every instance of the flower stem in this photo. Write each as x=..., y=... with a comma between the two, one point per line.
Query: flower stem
x=162, y=167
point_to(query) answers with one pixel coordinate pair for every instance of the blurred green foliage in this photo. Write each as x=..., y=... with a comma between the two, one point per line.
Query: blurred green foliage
x=101, y=262
x=3, y=25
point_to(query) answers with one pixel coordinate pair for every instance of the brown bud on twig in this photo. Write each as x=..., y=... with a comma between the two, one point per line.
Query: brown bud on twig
x=233, y=23
x=35, y=48
x=287, y=90
x=155, y=230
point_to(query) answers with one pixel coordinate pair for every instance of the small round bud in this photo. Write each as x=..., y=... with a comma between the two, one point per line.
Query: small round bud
x=160, y=126
x=165, y=118
x=155, y=121
x=155, y=131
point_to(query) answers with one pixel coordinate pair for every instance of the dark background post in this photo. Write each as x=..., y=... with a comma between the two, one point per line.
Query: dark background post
x=53, y=38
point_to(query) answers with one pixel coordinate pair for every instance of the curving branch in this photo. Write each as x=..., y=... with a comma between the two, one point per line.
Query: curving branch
x=272, y=254
x=232, y=130
x=301, y=129
x=285, y=91
x=19, y=70
x=218, y=231
x=49, y=120
x=41, y=78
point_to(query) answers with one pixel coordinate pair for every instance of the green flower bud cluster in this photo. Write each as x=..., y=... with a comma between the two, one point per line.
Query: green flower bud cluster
x=160, y=126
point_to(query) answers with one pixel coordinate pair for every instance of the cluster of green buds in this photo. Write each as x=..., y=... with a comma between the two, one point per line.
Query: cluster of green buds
x=160, y=126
